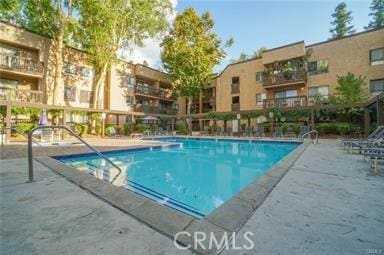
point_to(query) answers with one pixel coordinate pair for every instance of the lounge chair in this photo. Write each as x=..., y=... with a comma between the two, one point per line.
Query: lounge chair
x=357, y=144
x=205, y=131
x=277, y=132
x=260, y=132
x=374, y=154
x=375, y=134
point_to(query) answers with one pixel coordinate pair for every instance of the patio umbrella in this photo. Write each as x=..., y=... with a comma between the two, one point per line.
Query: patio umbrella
x=43, y=121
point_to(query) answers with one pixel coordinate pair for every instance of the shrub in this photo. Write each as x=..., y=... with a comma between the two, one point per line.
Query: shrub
x=340, y=128
x=81, y=128
x=107, y=129
x=140, y=128
x=25, y=127
x=182, y=129
x=98, y=130
x=127, y=128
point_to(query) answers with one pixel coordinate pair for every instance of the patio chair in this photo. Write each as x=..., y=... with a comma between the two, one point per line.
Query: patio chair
x=375, y=134
x=229, y=132
x=219, y=131
x=248, y=131
x=277, y=132
x=260, y=132
x=205, y=131
x=353, y=144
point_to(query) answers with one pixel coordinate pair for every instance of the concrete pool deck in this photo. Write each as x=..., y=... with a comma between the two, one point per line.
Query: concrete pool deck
x=328, y=202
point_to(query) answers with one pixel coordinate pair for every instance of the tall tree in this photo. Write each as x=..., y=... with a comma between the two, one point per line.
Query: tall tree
x=243, y=56
x=341, y=23
x=190, y=51
x=50, y=18
x=350, y=89
x=112, y=25
x=377, y=13
x=259, y=52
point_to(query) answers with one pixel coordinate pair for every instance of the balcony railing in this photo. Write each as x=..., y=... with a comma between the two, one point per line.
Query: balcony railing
x=284, y=77
x=21, y=95
x=155, y=109
x=235, y=88
x=285, y=102
x=235, y=107
x=21, y=64
x=151, y=91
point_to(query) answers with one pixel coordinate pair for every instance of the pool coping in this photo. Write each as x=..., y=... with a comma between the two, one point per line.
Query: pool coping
x=226, y=219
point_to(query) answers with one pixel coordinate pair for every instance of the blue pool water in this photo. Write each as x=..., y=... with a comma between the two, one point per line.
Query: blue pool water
x=195, y=177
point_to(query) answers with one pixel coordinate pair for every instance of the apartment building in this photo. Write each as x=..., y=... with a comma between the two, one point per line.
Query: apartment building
x=27, y=72
x=294, y=75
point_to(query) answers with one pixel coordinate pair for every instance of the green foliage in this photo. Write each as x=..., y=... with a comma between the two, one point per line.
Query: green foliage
x=190, y=51
x=297, y=114
x=141, y=128
x=108, y=129
x=243, y=56
x=259, y=52
x=350, y=90
x=340, y=128
x=127, y=128
x=25, y=127
x=181, y=128
x=251, y=115
x=212, y=115
x=31, y=112
x=227, y=117
x=81, y=128
x=96, y=116
x=377, y=13
x=341, y=23
x=277, y=114
x=9, y=10
x=98, y=130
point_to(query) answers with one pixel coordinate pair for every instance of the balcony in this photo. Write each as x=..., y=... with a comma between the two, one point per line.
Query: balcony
x=154, y=92
x=270, y=80
x=285, y=102
x=235, y=107
x=156, y=110
x=20, y=64
x=235, y=88
x=21, y=95
x=212, y=101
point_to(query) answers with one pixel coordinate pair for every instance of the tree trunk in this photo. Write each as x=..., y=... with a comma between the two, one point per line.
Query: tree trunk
x=189, y=122
x=58, y=54
x=96, y=86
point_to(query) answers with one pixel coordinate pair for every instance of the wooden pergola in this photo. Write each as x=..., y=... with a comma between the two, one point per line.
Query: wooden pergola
x=374, y=102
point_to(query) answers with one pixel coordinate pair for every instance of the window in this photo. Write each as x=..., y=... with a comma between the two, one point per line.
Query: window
x=85, y=72
x=318, y=67
x=176, y=106
x=131, y=81
x=235, y=100
x=259, y=98
x=259, y=77
x=8, y=83
x=235, y=80
x=318, y=93
x=129, y=100
x=69, y=68
x=286, y=93
x=86, y=96
x=377, y=87
x=377, y=57
x=70, y=94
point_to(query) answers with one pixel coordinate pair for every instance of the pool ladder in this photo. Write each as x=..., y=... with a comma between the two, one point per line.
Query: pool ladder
x=312, y=132
x=30, y=151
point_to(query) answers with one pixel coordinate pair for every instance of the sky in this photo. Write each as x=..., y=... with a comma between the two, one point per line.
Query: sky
x=254, y=24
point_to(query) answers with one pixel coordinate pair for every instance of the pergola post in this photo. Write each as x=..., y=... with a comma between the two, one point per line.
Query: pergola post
x=380, y=112
x=8, y=121
x=367, y=121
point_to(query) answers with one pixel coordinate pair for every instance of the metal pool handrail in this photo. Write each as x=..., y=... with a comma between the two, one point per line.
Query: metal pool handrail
x=17, y=131
x=310, y=132
x=30, y=153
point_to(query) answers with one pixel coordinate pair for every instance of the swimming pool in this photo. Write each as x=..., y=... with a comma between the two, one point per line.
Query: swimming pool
x=195, y=176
